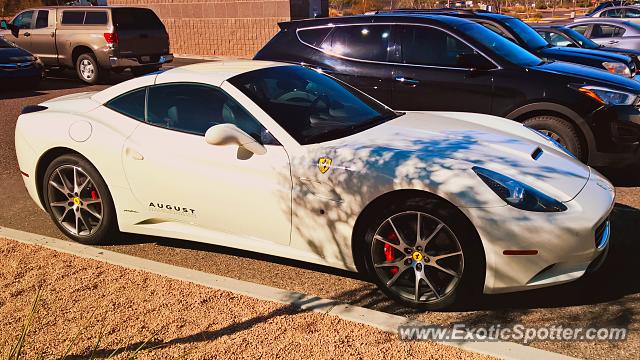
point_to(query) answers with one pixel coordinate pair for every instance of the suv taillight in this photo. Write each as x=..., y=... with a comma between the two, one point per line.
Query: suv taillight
x=112, y=38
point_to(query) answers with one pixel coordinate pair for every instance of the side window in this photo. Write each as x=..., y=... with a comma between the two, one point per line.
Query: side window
x=23, y=21
x=556, y=39
x=194, y=108
x=495, y=29
x=314, y=37
x=70, y=17
x=581, y=28
x=95, y=18
x=606, y=31
x=130, y=104
x=632, y=13
x=42, y=20
x=613, y=13
x=423, y=45
x=363, y=42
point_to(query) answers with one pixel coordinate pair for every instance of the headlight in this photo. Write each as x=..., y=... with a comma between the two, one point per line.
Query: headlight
x=617, y=68
x=608, y=96
x=517, y=194
x=553, y=142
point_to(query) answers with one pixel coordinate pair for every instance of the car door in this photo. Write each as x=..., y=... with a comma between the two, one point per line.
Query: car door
x=431, y=76
x=606, y=34
x=355, y=54
x=181, y=179
x=20, y=33
x=43, y=42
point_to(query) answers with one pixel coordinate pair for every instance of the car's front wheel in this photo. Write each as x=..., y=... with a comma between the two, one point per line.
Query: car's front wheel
x=78, y=200
x=561, y=131
x=424, y=254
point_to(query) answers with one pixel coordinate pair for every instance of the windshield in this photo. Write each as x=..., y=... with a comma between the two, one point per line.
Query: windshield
x=580, y=39
x=311, y=106
x=527, y=34
x=5, y=44
x=500, y=45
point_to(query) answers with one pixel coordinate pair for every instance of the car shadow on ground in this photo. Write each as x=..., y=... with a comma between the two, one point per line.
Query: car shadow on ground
x=627, y=176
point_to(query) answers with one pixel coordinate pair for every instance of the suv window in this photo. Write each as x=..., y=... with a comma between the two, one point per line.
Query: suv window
x=194, y=108
x=42, y=19
x=130, y=104
x=23, y=21
x=314, y=37
x=72, y=17
x=423, y=45
x=363, y=42
x=95, y=18
x=606, y=31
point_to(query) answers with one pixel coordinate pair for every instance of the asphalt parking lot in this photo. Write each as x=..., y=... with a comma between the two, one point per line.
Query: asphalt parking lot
x=609, y=298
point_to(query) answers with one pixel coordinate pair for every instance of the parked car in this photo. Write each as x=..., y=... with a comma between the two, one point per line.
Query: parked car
x=618, y=33
x=435, y=208
x=522, y=34
x=92, y=40
x=558, y=35
x=607, y=4
x=18, y=67
x=629, y=13
x=468, y=67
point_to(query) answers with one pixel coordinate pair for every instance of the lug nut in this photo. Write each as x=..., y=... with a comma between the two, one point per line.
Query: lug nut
x=419, y=267
x=419, y=248
x=407, y=262
x=408, y=251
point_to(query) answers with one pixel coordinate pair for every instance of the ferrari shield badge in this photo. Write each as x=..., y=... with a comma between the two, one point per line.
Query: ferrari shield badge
x=324, y=164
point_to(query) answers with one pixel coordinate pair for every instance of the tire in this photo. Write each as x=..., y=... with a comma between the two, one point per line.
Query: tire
x=96, y=222
x=454, y=233
x=561, y=131
x=144, y=70
x=88, y=69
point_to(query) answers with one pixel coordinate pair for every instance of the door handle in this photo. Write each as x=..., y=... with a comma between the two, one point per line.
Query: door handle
x=613, y=42
x=407, y=81
x=132, y=154
x=27, y=34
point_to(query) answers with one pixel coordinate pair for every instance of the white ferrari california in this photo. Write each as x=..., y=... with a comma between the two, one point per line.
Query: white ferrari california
x=284, y=160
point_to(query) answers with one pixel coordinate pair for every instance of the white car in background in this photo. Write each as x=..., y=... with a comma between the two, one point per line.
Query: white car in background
x=284, y=160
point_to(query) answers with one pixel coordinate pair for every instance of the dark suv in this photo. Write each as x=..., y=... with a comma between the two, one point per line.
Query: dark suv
x=426, y=62
x=524, y=35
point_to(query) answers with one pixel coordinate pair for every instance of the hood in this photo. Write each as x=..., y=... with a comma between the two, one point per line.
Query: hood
x=572, y=54
x=7, y=53
x=438, y=149
x=588, y=74
x=621, y=51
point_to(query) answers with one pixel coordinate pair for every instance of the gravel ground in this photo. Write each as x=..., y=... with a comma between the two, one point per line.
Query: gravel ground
x=89, y=297
x=610, y=298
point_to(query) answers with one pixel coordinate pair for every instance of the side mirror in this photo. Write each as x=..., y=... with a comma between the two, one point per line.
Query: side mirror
x=474, y=61
x=226, y=134
x=3, y=25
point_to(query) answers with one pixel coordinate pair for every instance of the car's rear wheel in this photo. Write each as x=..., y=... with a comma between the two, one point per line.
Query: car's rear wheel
x=423, y=254
x=78, y=200
x=561, y=131
x=88, y=69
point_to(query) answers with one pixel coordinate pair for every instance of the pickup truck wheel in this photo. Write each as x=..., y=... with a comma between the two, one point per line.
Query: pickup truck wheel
x=88, y=69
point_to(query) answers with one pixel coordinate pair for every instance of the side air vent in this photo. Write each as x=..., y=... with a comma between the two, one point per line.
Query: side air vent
x=535, y=155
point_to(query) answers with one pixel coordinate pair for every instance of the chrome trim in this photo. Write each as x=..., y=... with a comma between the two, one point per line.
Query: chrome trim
x=498, y=67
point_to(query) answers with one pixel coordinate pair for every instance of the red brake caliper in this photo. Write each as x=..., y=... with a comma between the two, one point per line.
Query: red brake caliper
x=388, y=251
x=94, y=195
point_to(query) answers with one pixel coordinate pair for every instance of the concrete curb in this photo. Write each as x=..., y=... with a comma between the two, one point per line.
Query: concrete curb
x=380, y=320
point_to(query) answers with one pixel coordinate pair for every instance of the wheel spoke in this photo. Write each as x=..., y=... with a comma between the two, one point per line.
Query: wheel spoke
x=444, y=256
x=397, y=247
x=64, y=203
x=66, y=211
x=443, y=269
x=64, y=183
x=77, y=224
x=425, y=243
x=394, y=263
x=75, y=180
x=83, y=221
x=418, y=231
x=82, y=186
x=423, y=276
x=395, y=277
x=90, y=202
x=395, y=230
x=93, y=213
x=417, y=286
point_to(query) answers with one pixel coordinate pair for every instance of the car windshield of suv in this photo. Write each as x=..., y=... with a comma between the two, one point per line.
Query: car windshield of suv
x=527, y=34
x=311, y=106
x=581, y=39
x=500, y=45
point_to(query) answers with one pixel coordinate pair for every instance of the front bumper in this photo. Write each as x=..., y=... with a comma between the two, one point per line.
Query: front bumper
x=567, y=244
x=29, y=70
x=617, y=136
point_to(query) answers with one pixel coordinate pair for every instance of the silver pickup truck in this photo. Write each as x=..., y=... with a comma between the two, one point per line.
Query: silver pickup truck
x=92, y=40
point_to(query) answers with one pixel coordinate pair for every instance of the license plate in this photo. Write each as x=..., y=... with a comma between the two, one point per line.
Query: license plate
x=145, y=58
